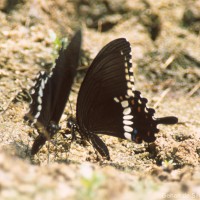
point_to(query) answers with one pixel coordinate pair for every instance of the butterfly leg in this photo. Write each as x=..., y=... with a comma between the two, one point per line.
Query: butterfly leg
x=74, y=138
x=71, y=132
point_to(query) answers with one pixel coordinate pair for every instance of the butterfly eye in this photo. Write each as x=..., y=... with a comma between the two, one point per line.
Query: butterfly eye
x=53, y=127
x=69, y=124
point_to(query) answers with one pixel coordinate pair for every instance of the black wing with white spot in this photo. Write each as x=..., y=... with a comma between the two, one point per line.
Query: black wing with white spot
x=109, y=104
x=139, y=123
x=109, y=77
x=51, y=92
x=36, y=93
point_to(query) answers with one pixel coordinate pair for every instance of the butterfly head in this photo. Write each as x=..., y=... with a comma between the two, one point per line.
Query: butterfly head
x=53, y=128
x=71, y=122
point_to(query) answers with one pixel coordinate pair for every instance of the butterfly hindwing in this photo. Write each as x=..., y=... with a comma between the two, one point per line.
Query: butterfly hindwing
x=37, y=101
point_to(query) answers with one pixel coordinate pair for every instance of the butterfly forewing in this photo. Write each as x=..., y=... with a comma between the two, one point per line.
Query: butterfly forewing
x=105, y=81
x=63, y=75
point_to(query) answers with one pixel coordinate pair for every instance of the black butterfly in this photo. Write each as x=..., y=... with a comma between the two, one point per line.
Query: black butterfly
x=51, y=91
x=108, y=103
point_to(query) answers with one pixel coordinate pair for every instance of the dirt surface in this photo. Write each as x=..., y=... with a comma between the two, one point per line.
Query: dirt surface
x=165, y=40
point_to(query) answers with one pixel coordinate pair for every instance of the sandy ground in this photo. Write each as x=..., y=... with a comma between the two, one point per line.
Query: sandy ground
x=165, y=40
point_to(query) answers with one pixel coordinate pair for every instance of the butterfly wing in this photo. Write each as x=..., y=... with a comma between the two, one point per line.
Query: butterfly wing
x=51, y=92
x=139, y=123
x=108, y=103
x=63, y=76
x=109, y=76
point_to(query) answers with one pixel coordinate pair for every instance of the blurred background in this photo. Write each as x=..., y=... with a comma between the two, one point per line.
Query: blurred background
x=165, y=40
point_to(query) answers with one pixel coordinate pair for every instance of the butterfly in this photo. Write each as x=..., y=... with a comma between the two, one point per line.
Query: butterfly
x=109, y=104
x=51, y=91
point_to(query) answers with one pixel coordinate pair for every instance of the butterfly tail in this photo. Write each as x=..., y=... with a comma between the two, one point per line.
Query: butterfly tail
x=167, y=120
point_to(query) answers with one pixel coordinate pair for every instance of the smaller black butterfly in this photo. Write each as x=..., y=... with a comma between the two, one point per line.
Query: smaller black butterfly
x=108, y=103
x=51, y=91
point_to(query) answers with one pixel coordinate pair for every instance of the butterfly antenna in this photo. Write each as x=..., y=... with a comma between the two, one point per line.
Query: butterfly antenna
x=71, y=110
x=48, y=155
x=56, y=149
